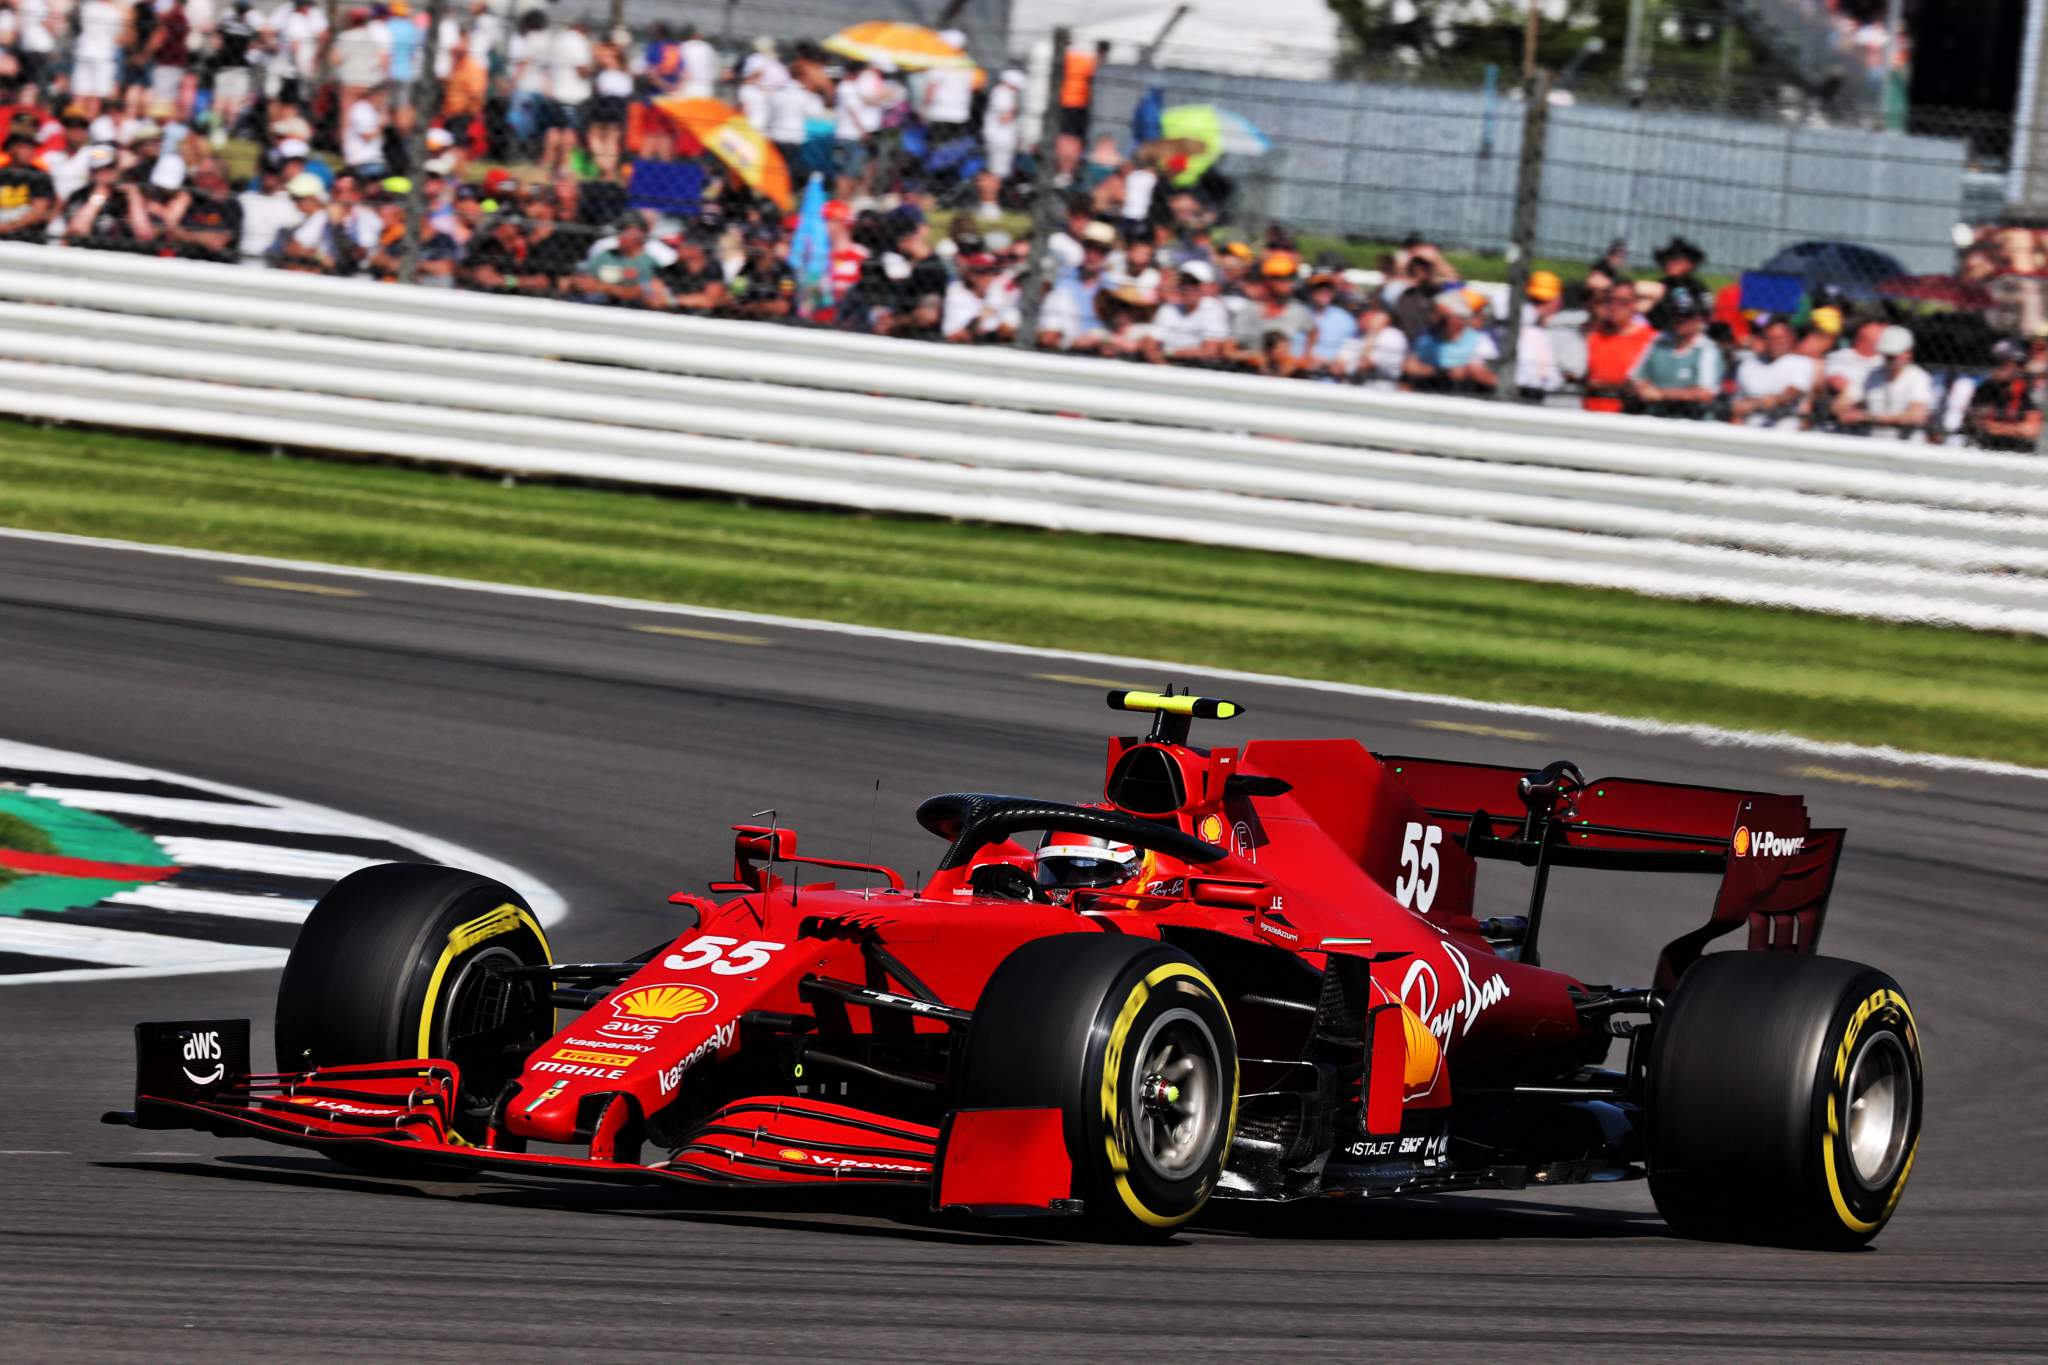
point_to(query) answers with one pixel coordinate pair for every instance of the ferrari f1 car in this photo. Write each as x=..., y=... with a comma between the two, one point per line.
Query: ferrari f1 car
x=1244, y=973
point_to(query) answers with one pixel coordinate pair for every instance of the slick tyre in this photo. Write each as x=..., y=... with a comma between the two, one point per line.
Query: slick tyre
x=1784, y=1097
x=406, y=960
x=1130, y=1040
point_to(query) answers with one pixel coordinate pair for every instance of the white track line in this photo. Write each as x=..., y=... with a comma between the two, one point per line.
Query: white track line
x=186, y=901
x=1703, y=734
x=187, y=851
x=129, y=948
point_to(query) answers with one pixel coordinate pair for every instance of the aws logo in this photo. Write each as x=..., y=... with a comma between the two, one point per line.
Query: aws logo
x=664, y=1003
x=1765, y=845
x=201, y=1048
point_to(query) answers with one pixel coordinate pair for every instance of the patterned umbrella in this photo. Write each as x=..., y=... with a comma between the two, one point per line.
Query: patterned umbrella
x=909, y=46
x=727, y=135
x=1216, y=130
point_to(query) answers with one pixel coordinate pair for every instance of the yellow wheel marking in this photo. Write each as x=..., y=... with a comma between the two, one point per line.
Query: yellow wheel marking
x=506, y=919
x=723, y=637
x=1112, y=1063
x=1875, y=1001
x=289, y=585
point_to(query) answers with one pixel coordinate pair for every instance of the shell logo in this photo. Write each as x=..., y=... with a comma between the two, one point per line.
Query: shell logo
x=792, y=1154
x=1212, y=828
x=1742, y=841
x=664, y=1002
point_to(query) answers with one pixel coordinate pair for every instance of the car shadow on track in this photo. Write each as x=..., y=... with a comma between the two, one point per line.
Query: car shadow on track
x=854, y=1213
x=1427, y=1218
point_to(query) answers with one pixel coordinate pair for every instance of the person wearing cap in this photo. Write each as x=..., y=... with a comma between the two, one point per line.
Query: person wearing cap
x=1680, y=261
x=209, y=222
x=1774, y=387
x=1271, y=330
x=108, y=213
x=1453, y=356
x=1680, y=374
x=28, y=201
x=315, y=244
x=980, y=305
x=623, y=273
x=695, y=282
x=1136, y=267
x=496, y=260
x=2003, y=414
x=1616, y=340
x=1897, y=398
x=1194, y=326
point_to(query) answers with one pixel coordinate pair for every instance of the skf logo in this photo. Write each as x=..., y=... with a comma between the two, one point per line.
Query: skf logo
x=666, y=1003
x=203, y=1048
x=1765, y=845
x=588, y=1058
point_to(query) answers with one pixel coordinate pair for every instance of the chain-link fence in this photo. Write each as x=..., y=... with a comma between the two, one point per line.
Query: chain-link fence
x=1711, y=240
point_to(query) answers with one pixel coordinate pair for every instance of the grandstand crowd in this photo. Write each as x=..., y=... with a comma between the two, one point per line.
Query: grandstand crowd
x=541, y=165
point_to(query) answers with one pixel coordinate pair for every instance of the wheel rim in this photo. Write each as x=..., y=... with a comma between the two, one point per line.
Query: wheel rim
x=482, y=1029
x=1176, y=1094
x=1880, y=1096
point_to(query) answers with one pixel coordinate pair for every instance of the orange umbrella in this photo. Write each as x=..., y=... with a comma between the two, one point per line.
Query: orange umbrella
x=727, y=135
x=909, y=46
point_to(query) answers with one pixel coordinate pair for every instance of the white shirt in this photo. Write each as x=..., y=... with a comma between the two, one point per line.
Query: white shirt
x=861, y=100
x=1535, y=363
x=68, y=174
x=1183, y=329
x=1061, y=314
x=1756, y=377
x=1889, y=395
x=298, y=36
x=528, y=56
x=700, y=69
x=263, y=217
x=100, y=23
x=994, y=308
x=790, y=107
x=948, y=95
x=1386, y=350
x=1138, y=187
x=568, y=56
x=999, y=124
x=1853, y=366
x=362, y=135
x=35, y=34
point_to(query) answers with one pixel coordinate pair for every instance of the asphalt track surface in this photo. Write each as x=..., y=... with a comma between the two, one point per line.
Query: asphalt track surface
x=609, y=761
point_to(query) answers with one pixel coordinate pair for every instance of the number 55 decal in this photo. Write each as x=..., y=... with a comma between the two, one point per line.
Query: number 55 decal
x=724, y=956
x=1416, y=887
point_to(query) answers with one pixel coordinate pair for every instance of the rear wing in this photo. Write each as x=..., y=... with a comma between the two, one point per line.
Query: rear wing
x=1776, y=869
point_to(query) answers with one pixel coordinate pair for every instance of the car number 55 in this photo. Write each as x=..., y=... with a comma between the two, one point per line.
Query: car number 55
x=724, y=956
x=1416, y=886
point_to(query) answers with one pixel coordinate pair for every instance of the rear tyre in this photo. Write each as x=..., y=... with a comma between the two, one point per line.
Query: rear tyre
x=1784, y=1097
x=1131, y=1041
x=407, y=960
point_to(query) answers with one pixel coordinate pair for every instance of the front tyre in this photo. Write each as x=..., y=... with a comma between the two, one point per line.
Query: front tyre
x=1785, y=1098
x=409, y=960
x=1131, y=1041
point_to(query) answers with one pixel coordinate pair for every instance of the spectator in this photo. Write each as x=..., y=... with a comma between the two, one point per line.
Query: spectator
x=1680, y=261
x=1897, y=398
x=1453, y=356
x=1615, y=343
x=699, y=62
x=1774, y=388
x=1383, y=346
x=297, y=36
x=496, y=261
x=766, y=287
x=403, y=40
x=169, y=51
x=266, y=211
x=107, y=213
x=233, y=61
x=1415, y=300
x=695, y=282
x=1333, y=331
x=761, y=75
x=1133, y=269
x=203, y=222
x=999, y=130
x=1127, y=332
x=1194, y=326
x=1077, y=96
x=28, y=199
x=980, y=305
x=861, y=98
x=922, y=322
x=1848, y=368
x=947, y=99
x=624, y=273
x=1271, y=312
x=361, y=56
x=362, y=136
x=97, y=53
x=1680, y=374
x=611, y=94
x=314, y=244
x=570, y=63
x=2003, y=414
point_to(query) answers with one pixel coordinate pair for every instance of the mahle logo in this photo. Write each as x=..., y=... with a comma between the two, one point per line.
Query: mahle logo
x=666, y=1003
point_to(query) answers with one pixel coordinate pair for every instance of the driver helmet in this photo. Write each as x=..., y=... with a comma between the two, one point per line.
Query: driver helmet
x=1073, y=861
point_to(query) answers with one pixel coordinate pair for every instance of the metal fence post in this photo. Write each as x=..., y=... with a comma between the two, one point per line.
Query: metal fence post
x=1522, y=237
x=1045, y=214
x=422, y=97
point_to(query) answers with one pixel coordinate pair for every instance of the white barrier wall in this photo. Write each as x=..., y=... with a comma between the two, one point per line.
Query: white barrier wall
x=539, y=388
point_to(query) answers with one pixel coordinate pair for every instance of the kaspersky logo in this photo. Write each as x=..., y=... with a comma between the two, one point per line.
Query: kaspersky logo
x=1765, y=845
x=663, y=1004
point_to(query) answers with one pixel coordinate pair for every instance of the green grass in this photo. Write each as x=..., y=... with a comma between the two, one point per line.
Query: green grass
x=19, y=836
x=1828, y=677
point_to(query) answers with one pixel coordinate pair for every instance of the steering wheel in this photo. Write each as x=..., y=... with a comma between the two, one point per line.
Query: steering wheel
x=974, y=820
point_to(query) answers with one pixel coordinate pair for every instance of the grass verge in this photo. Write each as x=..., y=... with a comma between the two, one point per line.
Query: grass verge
x=1828, y=677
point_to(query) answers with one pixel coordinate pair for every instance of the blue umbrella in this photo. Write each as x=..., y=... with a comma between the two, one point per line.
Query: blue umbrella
x=1854, y=270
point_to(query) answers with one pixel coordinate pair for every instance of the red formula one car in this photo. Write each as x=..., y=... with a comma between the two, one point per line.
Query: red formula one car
x=1244, y=973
